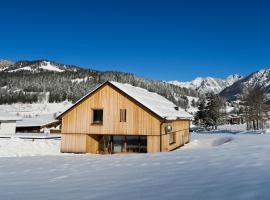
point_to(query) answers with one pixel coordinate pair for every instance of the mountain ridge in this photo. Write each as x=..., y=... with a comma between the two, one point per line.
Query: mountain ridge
x=28, y=81
x=208, y=84
x=259, y=79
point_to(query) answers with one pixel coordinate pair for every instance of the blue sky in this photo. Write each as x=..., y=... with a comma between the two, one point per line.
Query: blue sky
x=167, y=40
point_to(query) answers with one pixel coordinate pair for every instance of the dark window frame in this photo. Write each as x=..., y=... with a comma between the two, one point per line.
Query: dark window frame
x=97, y=122
x=123, y=115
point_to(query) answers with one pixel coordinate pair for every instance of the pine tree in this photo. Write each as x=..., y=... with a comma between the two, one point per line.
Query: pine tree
x=213, y=110
x=193, y=103
x=200, y=116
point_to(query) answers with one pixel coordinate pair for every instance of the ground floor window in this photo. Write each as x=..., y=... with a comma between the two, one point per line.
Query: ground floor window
x=118, y=143
x=136, y=144
x=123, y=144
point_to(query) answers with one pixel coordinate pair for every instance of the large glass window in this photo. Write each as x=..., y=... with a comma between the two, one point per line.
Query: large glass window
x=98, y=116
x=119, y=144
x=143, y=144
x=133, y=144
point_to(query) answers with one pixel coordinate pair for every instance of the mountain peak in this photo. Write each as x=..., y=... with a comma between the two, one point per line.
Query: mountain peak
x=4, y=64
x=231, y=79
x=258, y=79
x=37, y=66
x=208, y=84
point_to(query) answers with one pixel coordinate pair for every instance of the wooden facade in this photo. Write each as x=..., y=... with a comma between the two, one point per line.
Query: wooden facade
x=81, y=135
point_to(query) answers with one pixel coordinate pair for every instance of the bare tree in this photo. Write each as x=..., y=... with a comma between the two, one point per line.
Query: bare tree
x=255, y=108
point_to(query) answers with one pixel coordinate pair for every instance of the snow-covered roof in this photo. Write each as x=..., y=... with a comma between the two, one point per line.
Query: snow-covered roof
x=8, y=117
x=154, y=102
x=37, y=121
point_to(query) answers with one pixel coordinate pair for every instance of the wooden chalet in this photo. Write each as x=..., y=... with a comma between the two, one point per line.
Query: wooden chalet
x=121, y=118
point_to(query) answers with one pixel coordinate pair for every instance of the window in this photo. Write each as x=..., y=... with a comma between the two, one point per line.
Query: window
x=98, y=116
x=123, y=115
x=119, y=144
x=172, y=138
x=136, y=144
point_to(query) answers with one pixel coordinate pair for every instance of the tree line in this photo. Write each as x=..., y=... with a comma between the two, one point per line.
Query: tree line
x=253, y=110
x=26, y=86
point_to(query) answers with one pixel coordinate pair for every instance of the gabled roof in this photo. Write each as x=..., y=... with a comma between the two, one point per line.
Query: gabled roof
x=155, y=103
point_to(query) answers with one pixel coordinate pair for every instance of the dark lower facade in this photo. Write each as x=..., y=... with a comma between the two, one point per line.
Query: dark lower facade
x=117, y=144
x=122, y=144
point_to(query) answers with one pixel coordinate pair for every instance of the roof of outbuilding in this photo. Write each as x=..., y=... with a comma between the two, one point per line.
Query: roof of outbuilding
x=8, y=117
x=37, y=121
x=154, y=102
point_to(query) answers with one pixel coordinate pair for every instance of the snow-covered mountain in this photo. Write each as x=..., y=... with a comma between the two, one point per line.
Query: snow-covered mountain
x=258, y=79
x=208, y=84
x=4, y=64
x=32, y=81
x=38, y=66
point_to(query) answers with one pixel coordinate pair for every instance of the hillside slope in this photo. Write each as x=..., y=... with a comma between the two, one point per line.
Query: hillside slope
x=32, y=81
x=258, y=79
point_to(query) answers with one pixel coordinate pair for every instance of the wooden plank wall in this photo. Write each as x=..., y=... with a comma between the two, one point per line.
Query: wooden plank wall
x=92, y=145
x=139, y=121
x=79, y=143
x=153, y=144
x=73, y=143
x=180, y=128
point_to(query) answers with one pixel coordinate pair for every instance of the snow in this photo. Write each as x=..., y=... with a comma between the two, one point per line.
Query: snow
x=153, y=101
x=80, y=80
x=208, y=142
x=259, y=78
x=21, y=69
x=213, y=166
x=208, y=84
x=16, y=147
x=48, y=66
x=45, y=65
x=192, y=109
x=8, y=117
x=32, y=110
x=236, y=129
x=36, y=121
x=156, y=103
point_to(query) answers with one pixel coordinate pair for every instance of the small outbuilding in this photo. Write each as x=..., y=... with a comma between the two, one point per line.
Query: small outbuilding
x=38, y=124
x=8, y=123
x=120, y=118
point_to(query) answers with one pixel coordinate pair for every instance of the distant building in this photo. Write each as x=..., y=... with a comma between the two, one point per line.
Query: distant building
x=236, y=119
x=38, y=124
x=8, y=123
x=121, y=118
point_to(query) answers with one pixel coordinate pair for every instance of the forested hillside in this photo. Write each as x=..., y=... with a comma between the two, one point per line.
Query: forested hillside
x=32, y=81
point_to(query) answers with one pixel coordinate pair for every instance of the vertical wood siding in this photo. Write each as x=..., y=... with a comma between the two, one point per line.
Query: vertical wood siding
x=79, y=135
x=139, y=121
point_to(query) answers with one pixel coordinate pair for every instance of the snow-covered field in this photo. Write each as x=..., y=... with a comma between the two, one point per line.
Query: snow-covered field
x=212, y=166
x=16, y=147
